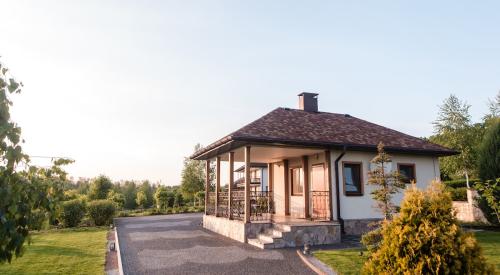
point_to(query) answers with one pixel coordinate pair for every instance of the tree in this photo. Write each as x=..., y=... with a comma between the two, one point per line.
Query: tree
x=141, y=199
x=99, y=188
x=201, y=197
x=193, y=176
x=489, y=153
x=25, y=191
x=116, y=197
x=178, y=200
x=161, y=197
x=494, y=110
x=387, y=183
x=147, y=189
x=129, y=192
x=425, y=238
x=453, y=128
x=490, y=193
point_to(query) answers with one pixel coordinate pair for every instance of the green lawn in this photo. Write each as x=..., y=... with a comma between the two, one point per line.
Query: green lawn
x=348, y=261
x=67, y=251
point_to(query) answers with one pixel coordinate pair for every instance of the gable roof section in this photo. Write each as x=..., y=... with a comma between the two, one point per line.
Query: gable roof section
x=322, y=129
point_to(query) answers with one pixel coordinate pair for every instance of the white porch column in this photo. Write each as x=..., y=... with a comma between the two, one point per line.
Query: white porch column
x=217, y=185
x=207, y=184
x=247, y=184
x=305, y=180
x=230, y=187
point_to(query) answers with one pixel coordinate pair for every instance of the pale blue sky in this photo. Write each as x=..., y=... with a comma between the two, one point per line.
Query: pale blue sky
x=126, y=88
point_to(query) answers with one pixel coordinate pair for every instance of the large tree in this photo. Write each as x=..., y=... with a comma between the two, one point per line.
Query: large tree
x=453, y=128
x=129, y=192
x=148, y=191
x=489, y=152
x=493, y=111
x=99, y=188
x=25, y=190
x=193, y=176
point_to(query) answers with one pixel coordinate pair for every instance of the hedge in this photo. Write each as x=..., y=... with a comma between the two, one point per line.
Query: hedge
x=72, y=212
x=101, y=212
x=460, y=183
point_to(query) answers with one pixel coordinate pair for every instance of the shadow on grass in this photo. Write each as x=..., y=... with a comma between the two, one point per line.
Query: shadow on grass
x=58, y=250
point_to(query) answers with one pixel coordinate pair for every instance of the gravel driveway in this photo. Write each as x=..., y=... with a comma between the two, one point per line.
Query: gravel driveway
x=178, y=244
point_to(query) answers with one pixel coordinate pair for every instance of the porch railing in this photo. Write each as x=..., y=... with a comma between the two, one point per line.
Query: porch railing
x=210, y=209
x=222, y=206
x=261, y=205
x=320, y=203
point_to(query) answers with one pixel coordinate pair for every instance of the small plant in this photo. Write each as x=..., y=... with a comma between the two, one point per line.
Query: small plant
x=72, y=213
x=425, y=238
x=101, y=212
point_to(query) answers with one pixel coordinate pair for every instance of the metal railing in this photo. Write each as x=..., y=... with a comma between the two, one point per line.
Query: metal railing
x=210, y=206
x=261, y=205
x=320, y=203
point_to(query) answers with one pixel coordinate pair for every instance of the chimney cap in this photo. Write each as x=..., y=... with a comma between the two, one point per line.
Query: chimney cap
x=305, y=93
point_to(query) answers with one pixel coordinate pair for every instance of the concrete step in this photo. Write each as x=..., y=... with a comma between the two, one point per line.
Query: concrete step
x=260, y=244
x=282, y=227
x=274, y=232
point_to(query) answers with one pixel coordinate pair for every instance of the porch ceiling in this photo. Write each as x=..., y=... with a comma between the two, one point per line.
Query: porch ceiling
x=270, y=154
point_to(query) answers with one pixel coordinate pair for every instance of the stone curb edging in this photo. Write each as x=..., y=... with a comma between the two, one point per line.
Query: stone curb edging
x=315, y=265
x=119, y=254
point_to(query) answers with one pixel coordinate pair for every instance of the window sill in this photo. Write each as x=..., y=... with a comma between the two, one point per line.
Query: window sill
x=353, y=194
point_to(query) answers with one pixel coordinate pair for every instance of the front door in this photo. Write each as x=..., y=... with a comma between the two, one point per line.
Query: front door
x=319, y=192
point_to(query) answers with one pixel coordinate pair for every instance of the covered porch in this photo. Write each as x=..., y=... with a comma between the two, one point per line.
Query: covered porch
x=295, y=209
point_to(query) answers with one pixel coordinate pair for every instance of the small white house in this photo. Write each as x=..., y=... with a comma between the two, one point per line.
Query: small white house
x=317, y=169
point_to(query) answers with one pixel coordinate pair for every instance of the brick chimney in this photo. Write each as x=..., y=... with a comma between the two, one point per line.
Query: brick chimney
x=308, y=102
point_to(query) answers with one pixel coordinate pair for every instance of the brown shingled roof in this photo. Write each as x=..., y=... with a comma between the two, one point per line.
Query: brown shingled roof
x=298, y=127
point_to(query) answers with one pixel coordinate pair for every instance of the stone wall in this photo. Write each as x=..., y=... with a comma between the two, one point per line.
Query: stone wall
x=312, y=234
x=358, y=227
x=467, y=211
x=230, y=228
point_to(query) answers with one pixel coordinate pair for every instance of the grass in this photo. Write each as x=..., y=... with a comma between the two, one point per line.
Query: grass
x=490, y=242
x=348, y=261
x=344, y=261
x=66, y=251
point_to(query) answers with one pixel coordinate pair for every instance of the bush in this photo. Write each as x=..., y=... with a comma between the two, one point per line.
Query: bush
x=425, y=238
x=458, y=194
x=39, y=220
x=72, y=213
x=101, y=212
x=460, y=183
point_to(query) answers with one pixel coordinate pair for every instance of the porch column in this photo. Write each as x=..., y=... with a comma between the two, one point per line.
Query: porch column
x=305, y=180
x=328, y=160
x=207, y=184
x=230, y=186
x=270, y=177
x=287, y=187
x=217, y=185
x=270, y=194
x=247, y=184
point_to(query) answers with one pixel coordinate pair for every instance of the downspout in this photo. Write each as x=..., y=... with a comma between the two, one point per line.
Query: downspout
x=337, y=188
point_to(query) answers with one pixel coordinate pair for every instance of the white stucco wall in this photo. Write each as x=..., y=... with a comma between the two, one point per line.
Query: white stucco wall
x=362, y=207
x=279, y=188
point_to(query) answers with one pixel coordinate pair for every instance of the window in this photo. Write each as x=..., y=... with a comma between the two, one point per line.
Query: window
x=407, y=172
x=297, y=182
x=352, y=179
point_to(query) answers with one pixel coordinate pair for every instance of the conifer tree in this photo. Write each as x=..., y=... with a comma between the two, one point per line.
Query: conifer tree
x=425, y=238
x=387, y=183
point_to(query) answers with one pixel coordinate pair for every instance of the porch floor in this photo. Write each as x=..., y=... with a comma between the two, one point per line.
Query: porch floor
x=289, y=220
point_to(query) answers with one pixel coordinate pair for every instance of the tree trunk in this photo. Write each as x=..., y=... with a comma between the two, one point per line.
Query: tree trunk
x=467, y=179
